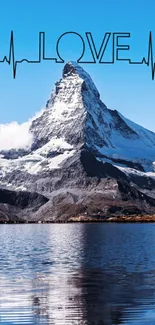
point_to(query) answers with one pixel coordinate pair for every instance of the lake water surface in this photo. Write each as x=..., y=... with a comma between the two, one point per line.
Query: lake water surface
x=68, y=274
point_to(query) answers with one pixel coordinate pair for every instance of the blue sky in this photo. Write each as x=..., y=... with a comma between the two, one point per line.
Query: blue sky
x=126, y=88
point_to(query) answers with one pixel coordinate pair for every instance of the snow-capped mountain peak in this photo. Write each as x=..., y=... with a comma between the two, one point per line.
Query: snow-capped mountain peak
x=85, y=158
x=72, y=69
x=72, y=98
x=76, y=118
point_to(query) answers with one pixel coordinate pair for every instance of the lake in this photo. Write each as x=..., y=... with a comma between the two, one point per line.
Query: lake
x=68, y=274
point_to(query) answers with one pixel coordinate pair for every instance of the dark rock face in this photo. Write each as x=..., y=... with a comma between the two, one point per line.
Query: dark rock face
x=9, y=215
x=22, y=199
x=95, y=168
x=16, y=206
x=69, y=70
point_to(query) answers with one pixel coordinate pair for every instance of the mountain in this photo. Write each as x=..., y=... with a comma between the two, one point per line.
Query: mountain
x=84, y=158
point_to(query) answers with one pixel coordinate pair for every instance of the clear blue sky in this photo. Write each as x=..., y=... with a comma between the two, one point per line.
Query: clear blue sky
x=126, y=88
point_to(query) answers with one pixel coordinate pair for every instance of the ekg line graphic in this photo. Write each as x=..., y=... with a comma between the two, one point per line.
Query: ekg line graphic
x=150, y=59
x=10, y=59
x=41, y=54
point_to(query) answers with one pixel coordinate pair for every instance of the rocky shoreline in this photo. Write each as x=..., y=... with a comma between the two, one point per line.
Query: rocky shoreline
x=83, y=219
x=135, y=218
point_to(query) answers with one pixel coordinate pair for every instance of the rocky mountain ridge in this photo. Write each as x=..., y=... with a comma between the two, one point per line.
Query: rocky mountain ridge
x=85, y=158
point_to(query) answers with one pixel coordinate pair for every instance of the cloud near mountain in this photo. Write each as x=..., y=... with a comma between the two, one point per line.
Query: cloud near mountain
x=16, y=136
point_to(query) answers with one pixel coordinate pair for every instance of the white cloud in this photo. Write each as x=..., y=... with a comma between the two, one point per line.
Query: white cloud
x=16, y=136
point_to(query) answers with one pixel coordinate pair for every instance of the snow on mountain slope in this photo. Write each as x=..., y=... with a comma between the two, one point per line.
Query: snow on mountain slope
x=76, y=112
x=75, y=117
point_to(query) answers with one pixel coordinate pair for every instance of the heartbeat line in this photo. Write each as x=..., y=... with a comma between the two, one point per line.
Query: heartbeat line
x=150, y=59
x=10, y=59
x=41, y=54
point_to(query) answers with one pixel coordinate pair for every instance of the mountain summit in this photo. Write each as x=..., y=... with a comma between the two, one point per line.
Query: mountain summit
x=82, y=150
x=73, y=98
x=76, y=114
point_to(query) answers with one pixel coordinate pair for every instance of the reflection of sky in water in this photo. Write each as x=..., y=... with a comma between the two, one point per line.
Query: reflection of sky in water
x=142, y=318
x=77, y=274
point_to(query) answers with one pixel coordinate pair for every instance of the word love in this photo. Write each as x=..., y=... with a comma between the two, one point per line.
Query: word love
x=116, y=41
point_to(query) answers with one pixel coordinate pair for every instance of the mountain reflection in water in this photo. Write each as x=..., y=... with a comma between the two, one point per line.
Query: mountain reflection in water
x=77, y=274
